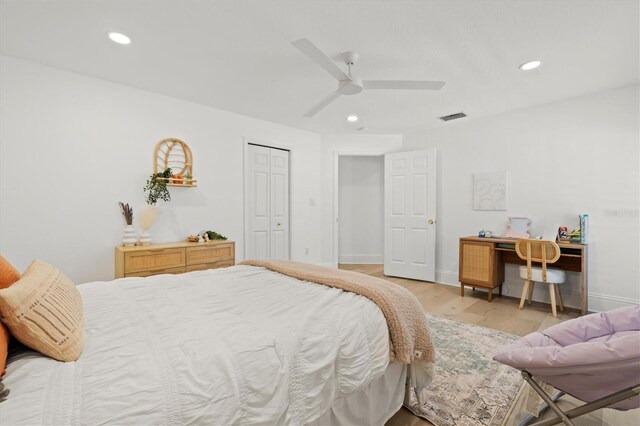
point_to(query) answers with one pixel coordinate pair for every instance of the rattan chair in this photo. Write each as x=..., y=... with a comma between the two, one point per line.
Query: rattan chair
x=541, y=252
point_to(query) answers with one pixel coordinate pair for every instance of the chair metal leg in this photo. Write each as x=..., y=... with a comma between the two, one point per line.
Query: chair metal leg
x=559, y=297
x=524, y=293
x=552, y=295
x=541, y=408
x=563, y=417
x=531, y=291
x=593, y=406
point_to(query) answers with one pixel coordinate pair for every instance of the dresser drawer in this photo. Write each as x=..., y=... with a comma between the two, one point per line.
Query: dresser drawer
x=209, y=254
x=212, y=265
x=153, y=259
x=179, y=270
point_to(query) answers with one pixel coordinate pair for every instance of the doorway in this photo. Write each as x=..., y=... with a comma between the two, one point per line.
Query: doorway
x=267, y=202
x=360, y=209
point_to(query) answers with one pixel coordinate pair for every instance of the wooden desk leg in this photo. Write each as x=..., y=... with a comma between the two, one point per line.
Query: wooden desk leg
x=490, y=294
x=461, y=289
x=500, y=291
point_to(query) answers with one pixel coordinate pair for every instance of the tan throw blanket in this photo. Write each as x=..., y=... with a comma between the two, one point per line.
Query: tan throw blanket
x=407, y=323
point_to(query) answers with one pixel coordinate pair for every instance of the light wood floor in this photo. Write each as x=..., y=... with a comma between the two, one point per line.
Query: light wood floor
x=501, y=314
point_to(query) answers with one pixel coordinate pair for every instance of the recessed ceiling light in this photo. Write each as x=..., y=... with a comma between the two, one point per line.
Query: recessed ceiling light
x=119, y=38
x=352, y=118
x=530, y=65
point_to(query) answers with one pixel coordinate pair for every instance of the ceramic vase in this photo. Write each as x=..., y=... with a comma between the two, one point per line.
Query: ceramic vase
x=129, y=236
x=147, y=219
x=145, y=237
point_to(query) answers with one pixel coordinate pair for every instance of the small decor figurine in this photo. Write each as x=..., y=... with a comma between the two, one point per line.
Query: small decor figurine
x=177, y=179
x=129, y=235
x=205, y=237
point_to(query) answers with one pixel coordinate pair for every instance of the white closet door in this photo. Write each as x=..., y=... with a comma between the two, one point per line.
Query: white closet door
x=258, y=205
x=410, y=214
x=279, y=204
x=267, y=203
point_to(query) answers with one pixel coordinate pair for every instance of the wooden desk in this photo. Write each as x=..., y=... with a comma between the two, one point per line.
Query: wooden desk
x=482, y=263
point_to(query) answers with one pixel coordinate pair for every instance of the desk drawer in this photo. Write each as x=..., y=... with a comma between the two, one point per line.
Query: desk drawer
x=179, y=270
x=212, y=265
x=209, y=254
x=153, y=259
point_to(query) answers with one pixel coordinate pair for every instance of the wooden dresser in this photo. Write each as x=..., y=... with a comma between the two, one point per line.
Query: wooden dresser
x=173, y=258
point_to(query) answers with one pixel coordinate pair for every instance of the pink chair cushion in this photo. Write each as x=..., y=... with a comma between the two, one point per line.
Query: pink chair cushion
x=588, y=357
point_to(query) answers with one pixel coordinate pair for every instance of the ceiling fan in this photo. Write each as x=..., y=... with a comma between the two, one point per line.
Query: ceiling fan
x=348, y=84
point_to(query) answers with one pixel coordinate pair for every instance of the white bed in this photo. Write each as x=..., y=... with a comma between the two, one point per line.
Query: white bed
x=241, y=345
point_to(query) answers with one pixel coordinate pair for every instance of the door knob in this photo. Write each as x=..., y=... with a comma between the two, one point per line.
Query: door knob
x=279, y=224
x=431, y=221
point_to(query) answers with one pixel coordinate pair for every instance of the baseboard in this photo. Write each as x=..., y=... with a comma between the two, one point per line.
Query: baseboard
x=361, y=258
x=604, y=302
x=447, y=277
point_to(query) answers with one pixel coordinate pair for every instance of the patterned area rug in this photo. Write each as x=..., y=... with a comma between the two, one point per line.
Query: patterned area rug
x=469, y=387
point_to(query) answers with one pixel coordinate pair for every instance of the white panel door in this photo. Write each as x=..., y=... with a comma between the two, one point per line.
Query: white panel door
x=410, y=214
x=279, y=204
x=267, y=203
x=258, y=205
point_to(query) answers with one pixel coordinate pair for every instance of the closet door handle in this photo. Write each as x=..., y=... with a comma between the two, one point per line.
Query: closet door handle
x=431, y=221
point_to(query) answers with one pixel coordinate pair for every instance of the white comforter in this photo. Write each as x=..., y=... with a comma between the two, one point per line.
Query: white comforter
x=229, y=346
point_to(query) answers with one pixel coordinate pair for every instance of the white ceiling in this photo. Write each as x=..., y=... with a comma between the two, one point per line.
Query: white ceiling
x=237, y=55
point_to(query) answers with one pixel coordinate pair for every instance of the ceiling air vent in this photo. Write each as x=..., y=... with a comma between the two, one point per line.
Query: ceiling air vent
x=453, y=116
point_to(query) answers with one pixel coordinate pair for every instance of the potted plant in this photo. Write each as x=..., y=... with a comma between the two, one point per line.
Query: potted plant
x=187, y=178
x=156, y=187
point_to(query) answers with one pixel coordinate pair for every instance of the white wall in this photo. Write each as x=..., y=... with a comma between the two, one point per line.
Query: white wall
x=72, y=146
x=361, y=209
x=332, y=146
x=573, y=156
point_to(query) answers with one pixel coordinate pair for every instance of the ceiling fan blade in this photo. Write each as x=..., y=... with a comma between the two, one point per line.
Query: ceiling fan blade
x=320, y=58
x=402, y=84
x=323, y=103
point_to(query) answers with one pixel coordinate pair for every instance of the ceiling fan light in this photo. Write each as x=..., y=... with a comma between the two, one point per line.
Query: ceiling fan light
x=352, y=118
x=119, y=38
x=531, y=65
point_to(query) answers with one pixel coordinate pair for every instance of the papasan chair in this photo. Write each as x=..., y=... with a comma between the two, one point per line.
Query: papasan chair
x=595, y=358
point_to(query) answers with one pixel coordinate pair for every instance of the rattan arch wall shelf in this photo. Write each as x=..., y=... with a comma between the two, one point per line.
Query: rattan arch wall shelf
x=175, y=154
